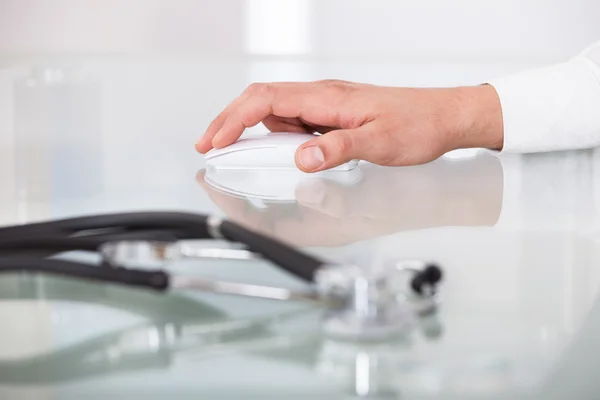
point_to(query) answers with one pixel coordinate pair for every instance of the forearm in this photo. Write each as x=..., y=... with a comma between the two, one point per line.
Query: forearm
x=544, y=109
x=477, y=118
x=552, y=108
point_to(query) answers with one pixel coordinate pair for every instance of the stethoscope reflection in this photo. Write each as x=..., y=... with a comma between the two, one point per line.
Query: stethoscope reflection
x=335, y=210
x=188, y=329
x=171, y=327
x=184, y=329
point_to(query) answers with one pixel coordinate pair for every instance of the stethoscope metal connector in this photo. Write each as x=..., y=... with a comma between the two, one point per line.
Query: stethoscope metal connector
x=378, y=303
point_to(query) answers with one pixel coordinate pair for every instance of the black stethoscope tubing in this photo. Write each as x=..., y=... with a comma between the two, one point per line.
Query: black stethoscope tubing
x=90, y=232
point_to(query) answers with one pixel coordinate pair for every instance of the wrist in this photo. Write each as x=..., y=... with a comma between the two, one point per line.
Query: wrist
x=476, y=118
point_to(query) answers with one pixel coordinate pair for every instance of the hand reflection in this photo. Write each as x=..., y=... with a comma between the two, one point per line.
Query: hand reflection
x=387, y=200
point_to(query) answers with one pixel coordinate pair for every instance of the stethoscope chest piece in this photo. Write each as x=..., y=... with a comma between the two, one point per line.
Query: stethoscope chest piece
x=380, y=303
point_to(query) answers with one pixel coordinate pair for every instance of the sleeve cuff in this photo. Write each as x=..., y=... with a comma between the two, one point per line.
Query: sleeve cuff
x=551, y=108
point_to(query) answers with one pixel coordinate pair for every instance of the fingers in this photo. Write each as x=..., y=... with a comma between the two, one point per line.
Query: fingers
x=335, y=148
x=278, y=124
x=246, y=115
x=316, y=103
x=204, y=144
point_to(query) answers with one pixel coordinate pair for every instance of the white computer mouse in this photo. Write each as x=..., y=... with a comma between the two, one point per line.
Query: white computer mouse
x=272, y=151
x=272, y=185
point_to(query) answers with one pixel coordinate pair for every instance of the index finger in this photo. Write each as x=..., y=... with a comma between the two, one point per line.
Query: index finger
x=204, y=144
x=316, y=103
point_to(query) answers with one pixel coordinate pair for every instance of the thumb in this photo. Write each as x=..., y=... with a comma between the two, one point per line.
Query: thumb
x=331, y=149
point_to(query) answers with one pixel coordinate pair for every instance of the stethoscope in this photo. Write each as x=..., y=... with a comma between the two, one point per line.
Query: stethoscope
x=134, y=249
x=179, y=326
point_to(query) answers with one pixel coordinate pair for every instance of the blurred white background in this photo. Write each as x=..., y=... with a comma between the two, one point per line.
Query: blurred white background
x=409, y=30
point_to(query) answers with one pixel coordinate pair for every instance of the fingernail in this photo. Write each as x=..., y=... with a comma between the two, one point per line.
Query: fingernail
x=311, y=157
x=311, y=192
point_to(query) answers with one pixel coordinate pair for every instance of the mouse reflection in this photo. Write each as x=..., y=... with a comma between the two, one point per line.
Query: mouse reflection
x=335, y=210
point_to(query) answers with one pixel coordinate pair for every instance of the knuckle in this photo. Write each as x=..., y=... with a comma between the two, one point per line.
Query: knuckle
x=254, y=87
x=244, y=115
x=333, y=82
x=343, y=142
x=337, y=85
x=245, y=119
x=266, y=88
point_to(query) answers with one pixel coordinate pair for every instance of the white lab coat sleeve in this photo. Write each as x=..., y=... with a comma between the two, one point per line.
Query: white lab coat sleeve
x=552, y=108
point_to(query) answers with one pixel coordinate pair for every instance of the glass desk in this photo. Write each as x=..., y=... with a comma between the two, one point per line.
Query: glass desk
x=517, y=237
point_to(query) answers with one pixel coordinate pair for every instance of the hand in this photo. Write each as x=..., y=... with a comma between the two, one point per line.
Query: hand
x=383, y=125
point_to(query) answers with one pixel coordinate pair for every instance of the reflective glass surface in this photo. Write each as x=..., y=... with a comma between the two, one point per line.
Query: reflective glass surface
x=85, y=133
